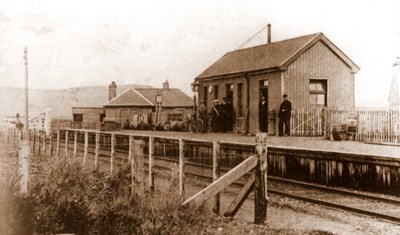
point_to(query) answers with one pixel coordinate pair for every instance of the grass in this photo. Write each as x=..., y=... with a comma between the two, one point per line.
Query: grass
x=67, y=198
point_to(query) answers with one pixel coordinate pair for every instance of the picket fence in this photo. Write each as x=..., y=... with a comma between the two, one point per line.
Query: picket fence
x=372, y=125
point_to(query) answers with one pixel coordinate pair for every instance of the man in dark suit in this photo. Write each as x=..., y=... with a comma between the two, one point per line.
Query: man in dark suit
x=284, y=114
x=263, y=115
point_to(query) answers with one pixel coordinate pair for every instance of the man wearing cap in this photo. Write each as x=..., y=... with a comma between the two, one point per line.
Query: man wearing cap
x=215, y=116
x=284, y=114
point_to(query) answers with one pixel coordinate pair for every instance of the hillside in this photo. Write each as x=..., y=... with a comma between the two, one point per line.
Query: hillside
x=60, y=101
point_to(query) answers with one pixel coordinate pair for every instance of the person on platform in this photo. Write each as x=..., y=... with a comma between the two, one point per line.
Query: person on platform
x=263, y=115
x=203, y=115
x=215, y=117
x=223, y=114
x=284, y=115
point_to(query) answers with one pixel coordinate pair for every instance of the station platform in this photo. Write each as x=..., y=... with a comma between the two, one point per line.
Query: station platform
x=308, y=143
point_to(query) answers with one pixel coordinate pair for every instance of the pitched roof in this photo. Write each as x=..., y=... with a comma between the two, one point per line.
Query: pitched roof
x=269, y=57
x=146, y=97
x=128, y=98
x=171, y=97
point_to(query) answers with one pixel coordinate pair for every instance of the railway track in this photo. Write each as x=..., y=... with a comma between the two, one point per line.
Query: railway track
x=382, y=207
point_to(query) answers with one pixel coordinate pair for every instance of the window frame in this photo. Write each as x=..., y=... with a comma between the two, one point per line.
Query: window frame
x=315, y=94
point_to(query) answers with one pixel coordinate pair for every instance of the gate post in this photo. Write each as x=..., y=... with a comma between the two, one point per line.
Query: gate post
x=260, y=184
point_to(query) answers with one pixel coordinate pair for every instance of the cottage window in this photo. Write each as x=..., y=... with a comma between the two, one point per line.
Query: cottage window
x=78, y=117
x=318, y=92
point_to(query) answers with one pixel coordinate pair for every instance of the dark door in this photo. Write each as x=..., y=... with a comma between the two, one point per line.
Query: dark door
x=263, y=107
x=205, y=95
x=229, y=92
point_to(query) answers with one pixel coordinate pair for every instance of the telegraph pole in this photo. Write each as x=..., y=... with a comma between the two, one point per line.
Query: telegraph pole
x=26, y=129
x=24, y=149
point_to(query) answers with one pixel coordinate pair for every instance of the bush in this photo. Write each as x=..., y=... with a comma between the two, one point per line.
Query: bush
x=70, y=199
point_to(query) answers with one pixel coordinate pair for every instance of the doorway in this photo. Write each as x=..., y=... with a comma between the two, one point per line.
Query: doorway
x=263, y=117
x=229, y=92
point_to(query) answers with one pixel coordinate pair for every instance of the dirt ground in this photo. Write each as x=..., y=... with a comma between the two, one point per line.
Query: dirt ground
x=301, y=217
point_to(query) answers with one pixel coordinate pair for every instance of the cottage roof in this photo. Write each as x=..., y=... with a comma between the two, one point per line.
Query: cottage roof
x=146, y=97
x=269, y=57
x=130, y=97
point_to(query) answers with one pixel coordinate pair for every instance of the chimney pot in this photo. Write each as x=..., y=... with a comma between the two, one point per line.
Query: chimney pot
x=269, y=33
x=112, y=91
x=166, y=85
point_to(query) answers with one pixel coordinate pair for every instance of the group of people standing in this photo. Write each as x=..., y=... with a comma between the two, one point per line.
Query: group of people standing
x=284, y=115
x=220, y=118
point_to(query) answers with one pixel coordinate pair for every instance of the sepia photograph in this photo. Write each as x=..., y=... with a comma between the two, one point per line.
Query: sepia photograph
x=199, y=117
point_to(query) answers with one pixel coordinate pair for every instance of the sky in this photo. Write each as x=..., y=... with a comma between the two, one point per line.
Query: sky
x=81, y=43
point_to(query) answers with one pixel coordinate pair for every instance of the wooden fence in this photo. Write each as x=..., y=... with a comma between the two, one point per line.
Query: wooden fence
x=106, y=151
x=373, y=125
x=41, y=122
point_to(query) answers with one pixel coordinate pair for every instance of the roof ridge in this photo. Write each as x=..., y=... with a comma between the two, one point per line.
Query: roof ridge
x=116, y=97
x=301, y=48
x=266, y=44
x=152, y=88
x=137, y=92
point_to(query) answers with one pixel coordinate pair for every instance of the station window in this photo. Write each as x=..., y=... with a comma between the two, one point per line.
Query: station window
x=318, y=92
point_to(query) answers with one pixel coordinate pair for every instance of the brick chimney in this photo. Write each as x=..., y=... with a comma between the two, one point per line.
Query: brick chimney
x=166, y=85
x=269, y=33
x=112, y=91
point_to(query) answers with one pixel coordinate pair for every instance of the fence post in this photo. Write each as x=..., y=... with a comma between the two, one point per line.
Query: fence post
x=51, y=144
x=34, y=141
x=260, y=189
x=130, y=148
x=44, y=144
x=58, y=144
x=75, y=143
x=151, y=163
x=23, y=165
x=66, y=144
x=85, y=153
x=216, y=173
x=181, y=169
x=14, y=139
x=137, y=167
x=96, y=152
x=112, y=154
x=39, y=142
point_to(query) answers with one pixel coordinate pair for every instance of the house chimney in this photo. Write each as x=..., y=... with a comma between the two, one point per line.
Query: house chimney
x=166, y=85
x=269, y=33
x=112, y=91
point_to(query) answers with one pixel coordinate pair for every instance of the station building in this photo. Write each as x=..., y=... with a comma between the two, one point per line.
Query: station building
x=310, y=69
